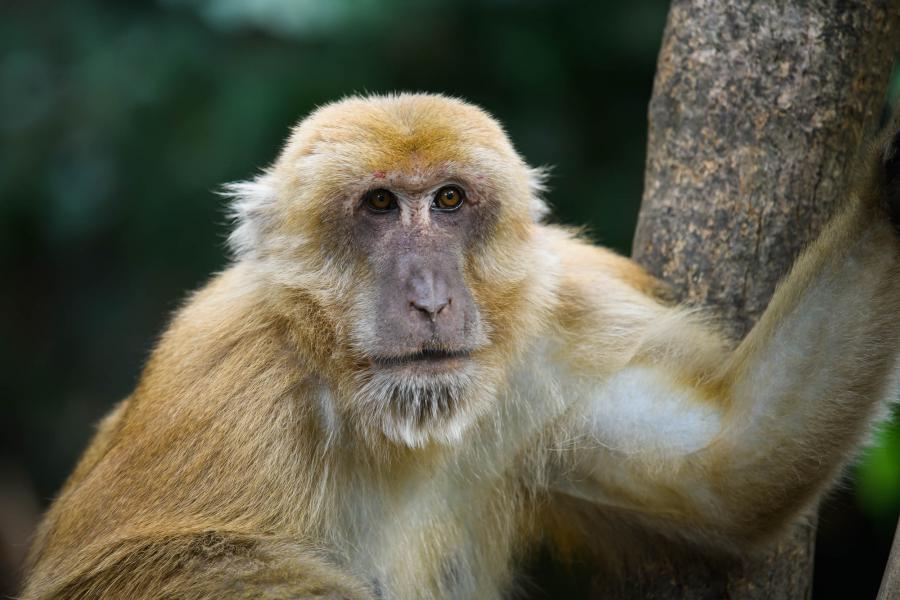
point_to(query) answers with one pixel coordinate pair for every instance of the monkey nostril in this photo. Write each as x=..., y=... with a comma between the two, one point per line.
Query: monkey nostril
x=431, y=306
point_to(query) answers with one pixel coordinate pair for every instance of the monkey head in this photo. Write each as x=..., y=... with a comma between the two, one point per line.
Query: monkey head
x=406, y=220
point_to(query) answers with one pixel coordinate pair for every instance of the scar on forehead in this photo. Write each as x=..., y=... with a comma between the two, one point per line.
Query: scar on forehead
x=378, y=174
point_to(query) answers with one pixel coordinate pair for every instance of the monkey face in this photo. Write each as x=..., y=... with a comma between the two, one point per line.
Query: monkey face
x=420, y=328
x=414, y=240
x=407, y=219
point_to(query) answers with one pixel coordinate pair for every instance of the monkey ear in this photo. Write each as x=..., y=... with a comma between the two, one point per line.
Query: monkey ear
x=251, y=208
x=537, y=182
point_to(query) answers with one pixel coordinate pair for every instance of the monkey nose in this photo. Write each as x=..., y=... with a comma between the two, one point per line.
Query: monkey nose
x=431, y=306
x=429, y=296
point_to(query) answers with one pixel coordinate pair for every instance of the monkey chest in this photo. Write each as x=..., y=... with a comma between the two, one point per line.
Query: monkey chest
x=435, y=544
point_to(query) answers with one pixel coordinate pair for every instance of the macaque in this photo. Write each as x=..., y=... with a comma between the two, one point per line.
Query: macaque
x=405, y=376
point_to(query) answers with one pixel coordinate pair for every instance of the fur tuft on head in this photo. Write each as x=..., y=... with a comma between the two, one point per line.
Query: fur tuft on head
x=537, y=179
x=251, y=208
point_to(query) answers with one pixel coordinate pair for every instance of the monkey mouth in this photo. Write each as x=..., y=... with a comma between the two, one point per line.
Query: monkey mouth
x=427, y=357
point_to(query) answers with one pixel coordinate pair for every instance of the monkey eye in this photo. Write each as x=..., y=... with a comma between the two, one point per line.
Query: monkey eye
x=380, y=200
x=448, y=198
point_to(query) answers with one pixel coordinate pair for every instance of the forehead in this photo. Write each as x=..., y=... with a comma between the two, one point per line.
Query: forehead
x=406, y=133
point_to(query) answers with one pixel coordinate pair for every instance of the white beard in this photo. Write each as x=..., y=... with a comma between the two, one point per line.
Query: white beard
x=413, y=408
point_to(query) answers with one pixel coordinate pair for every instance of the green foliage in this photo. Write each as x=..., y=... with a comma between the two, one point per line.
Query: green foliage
x=878, y=478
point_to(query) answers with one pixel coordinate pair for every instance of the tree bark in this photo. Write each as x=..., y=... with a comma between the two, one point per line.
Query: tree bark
x=890, y=583
x=757, y=112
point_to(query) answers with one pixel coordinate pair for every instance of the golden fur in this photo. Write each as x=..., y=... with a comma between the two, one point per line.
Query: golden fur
x=244, y=466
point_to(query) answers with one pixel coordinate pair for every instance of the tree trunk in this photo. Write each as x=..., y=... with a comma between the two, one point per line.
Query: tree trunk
x=890, y=583
x=757, y=112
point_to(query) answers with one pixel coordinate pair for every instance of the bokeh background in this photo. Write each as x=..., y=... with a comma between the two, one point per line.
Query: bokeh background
x=119, y=120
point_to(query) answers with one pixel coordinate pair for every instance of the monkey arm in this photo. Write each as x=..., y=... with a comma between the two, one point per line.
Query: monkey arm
x=204, y=565
x=734, y=444
x=189, y=487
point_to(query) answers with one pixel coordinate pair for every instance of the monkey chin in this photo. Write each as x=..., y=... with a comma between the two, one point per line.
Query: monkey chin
x=420, y=401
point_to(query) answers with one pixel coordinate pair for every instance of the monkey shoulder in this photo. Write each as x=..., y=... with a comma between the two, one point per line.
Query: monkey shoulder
x=604, y=301
x=596, y=284
x=585, y=264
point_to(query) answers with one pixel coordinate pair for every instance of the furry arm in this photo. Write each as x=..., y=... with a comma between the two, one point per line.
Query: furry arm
x=730, y=444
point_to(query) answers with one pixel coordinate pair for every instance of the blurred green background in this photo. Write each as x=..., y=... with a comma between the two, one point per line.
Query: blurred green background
x=118, y=121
